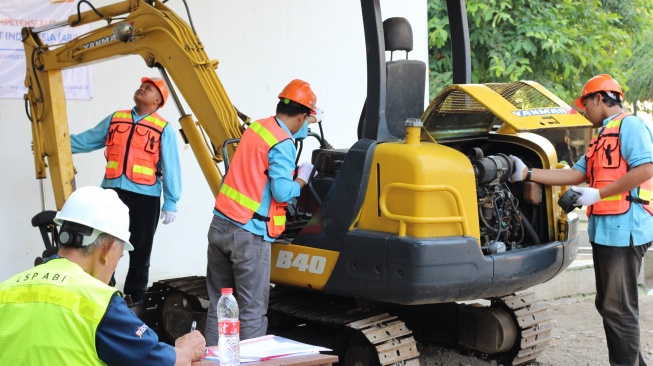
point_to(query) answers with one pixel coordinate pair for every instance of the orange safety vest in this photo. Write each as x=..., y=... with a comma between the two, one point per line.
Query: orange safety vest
x=605, y=165
x=133, y=148
x=240, y=194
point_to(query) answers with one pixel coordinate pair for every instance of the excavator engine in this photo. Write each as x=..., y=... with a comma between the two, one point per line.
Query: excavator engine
x=500, y=220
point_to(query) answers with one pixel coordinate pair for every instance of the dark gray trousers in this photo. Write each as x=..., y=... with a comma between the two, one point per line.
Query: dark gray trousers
x=240, y=260
x=616, y=270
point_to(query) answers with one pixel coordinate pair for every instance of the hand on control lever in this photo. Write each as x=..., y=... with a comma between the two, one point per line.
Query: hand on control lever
x=304, y=171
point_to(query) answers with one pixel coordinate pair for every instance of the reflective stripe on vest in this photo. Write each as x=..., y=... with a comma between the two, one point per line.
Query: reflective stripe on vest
x=605, y=165
x=241, y=192
x=240, y=198
x=53, y=310
x=133, y=149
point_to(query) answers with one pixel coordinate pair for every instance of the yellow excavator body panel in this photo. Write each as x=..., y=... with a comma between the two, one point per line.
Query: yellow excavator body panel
x=302, y=266
x=407, y=192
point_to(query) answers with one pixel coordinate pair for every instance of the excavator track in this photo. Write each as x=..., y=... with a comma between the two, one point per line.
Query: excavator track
x=373, y=337
x=387, y=335
x=532, y=317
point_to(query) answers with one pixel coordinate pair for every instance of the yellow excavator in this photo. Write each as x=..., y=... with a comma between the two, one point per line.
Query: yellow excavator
x=397, y=235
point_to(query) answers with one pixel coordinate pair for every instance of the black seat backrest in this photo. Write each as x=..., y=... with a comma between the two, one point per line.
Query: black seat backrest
x=405, y=79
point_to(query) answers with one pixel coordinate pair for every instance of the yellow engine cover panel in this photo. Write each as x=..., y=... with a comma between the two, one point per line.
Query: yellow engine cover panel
x=301, y=266
x=420, y=190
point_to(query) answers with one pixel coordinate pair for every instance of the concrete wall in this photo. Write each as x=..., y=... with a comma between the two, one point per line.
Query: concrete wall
x=261, y=46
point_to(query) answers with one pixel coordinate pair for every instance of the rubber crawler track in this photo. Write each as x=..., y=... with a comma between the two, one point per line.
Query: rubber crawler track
x=390, y=337
x=534, y=321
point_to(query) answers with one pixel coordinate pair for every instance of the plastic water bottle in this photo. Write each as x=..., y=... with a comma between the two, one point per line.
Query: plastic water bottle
x=228, y=329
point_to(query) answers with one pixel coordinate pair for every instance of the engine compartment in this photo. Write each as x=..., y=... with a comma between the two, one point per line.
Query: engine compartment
x=511, y=215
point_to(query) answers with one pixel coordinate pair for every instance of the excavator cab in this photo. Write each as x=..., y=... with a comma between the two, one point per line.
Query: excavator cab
x=405, y=87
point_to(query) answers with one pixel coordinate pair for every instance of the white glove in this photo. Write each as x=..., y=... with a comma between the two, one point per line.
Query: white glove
x=518, y=174
x=319, y=115
x=588, y=196
x=168, y=217
x=304, y=171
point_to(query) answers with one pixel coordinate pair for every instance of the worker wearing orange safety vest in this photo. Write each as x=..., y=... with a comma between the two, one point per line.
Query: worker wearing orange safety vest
x=250, y=179
x=607, y=165
x=250, y=209
x=133, y=148
x=619, y=168
x=142, y=163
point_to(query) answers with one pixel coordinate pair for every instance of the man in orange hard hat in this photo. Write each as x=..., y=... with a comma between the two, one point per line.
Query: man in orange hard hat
x=250, y=209
x=142, y=161
x=619, y=168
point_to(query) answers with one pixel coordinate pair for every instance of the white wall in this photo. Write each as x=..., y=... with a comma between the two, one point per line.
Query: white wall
x=261, y=46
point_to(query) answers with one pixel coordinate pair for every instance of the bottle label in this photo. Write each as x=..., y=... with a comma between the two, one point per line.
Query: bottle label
x=228, y=327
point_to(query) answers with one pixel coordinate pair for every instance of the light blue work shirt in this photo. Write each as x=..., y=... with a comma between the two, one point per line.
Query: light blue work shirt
x=636, y=138
x=95, y=138
x=280, y=184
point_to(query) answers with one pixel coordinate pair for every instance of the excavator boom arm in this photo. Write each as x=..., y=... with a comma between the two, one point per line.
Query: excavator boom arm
x=163, y=40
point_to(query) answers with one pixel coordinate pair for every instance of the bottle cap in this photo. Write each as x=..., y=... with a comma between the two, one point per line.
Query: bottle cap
x=227, y=291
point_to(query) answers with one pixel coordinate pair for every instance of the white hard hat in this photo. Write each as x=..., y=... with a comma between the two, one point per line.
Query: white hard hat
x=100, y=209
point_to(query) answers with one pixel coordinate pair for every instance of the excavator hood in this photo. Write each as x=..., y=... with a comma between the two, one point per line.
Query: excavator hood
x=470, y=110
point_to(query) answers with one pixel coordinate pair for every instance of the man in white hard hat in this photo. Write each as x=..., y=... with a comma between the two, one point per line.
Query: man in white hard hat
x=63, y=312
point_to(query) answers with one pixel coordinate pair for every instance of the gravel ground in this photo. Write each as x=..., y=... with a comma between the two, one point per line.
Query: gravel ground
x=578, y=338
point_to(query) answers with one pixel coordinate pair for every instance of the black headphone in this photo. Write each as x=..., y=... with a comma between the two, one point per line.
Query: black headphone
x=72, y=234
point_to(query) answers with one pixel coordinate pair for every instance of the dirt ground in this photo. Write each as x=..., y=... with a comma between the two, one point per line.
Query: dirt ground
x=578, y=338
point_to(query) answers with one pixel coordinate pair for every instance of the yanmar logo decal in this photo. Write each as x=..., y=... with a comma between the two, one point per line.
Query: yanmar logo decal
x=101, y=41
x=538, y=112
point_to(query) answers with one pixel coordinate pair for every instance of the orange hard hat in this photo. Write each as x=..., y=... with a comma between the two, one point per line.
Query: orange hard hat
x=161, y=85
x=299, y=92
x=601, y=82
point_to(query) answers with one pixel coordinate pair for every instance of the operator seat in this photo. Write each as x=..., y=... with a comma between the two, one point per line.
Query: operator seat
x=405, y=79
x=405, y=87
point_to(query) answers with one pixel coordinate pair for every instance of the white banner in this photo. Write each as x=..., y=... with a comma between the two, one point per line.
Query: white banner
x=16, y=14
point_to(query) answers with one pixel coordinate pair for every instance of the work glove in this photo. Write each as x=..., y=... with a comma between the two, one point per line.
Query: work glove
x=588, y=196
x=168, y=217
x=304, y=171
x=319, y=115
x=518, y=174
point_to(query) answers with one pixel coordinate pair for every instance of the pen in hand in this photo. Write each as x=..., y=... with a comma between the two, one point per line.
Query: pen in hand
x=192, y=327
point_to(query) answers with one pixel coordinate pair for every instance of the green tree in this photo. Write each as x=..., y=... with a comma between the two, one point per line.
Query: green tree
x=559, y=44
x=640, y=84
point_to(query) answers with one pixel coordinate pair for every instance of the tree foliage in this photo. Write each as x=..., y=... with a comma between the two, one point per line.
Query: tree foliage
x=559, y=44
x=640, y=66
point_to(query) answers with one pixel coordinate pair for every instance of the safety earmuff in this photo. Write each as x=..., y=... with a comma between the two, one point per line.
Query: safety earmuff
x=72, y=234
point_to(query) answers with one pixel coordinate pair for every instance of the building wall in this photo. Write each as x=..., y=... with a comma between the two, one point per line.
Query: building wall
x=261, y=45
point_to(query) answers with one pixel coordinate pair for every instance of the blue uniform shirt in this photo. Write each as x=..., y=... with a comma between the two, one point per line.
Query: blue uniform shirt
x=95, y=139
x=636, y=138
x=123, y=339
x=280, y=184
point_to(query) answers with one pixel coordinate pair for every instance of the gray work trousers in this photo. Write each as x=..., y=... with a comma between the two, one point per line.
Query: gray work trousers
x=616, y=270
x=240, y=260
